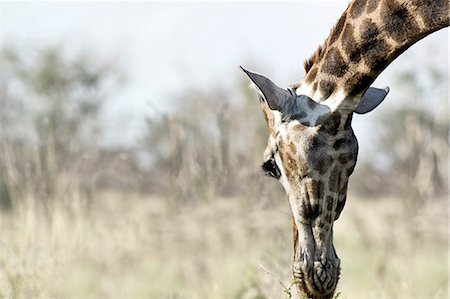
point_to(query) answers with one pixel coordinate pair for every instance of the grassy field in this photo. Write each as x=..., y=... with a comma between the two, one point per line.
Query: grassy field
x=129, y=246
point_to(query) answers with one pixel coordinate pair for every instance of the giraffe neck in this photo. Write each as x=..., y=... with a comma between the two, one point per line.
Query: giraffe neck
x=367, y=38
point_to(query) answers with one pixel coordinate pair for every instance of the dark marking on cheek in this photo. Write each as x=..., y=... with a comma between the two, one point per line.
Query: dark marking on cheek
x=329, y=203
x=399, y=22
x=345, y=158
x=334, y=180
x=334, y=63
x=317, y=143
x=322, y=235
x=315, y=211
x=330, y=123
x=326, y=88
x=309, y=212
x=340, y=143
x=328, y=218
x=323, y=164
x=357, y=8
x=320, y=189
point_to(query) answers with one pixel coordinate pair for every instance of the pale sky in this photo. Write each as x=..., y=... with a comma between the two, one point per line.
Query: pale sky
x=165, y=47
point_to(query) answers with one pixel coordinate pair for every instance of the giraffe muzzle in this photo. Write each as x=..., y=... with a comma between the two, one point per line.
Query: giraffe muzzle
x=316, y=267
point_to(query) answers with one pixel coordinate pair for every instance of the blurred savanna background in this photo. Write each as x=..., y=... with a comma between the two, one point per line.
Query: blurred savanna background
x=130, y=146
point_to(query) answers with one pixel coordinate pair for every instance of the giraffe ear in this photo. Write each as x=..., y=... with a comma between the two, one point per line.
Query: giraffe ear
x=275, y=96
x=371, y=99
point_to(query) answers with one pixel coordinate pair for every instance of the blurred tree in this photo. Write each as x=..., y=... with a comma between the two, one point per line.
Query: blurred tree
x=411, y=153
x=49, y=122
x=210, y=144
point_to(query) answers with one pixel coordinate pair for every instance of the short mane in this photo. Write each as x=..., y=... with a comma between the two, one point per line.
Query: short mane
x=307, y=65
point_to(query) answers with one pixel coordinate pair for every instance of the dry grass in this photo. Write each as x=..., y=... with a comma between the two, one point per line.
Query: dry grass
x=127, y=246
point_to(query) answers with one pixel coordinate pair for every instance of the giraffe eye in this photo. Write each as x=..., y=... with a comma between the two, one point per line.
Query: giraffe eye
x=270, y=168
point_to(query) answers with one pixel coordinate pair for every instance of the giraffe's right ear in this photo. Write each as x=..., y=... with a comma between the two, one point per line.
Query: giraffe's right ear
x=371, y=99
x=275, y=97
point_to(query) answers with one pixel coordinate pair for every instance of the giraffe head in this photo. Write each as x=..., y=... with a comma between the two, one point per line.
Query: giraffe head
x=311, y=151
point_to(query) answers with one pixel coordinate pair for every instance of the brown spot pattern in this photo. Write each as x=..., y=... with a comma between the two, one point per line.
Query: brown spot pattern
x=329, y=203
x=334, y=180
x=373, y=48
x=323, y=164
x=288, y=160
x=358, y=83
x=317, y=143
x=371, y=5
x=357, y=8
x=330, y=123
x=399, y=23
x=317, y=189
x=432, y=11
x=340, y=143
x=368, y=31
x=308, y=211
x=348, y=44
x=326, y=88
x=334, y=63
x=345, y=158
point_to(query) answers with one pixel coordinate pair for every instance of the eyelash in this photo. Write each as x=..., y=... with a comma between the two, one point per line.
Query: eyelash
x=270, y=168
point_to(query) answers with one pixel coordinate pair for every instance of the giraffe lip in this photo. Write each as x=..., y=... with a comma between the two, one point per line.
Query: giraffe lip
x=315, y=263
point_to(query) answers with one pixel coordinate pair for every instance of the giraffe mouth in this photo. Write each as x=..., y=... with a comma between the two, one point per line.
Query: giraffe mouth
x=316, y=266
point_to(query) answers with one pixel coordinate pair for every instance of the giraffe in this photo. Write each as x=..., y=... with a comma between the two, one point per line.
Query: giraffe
x=311, y=149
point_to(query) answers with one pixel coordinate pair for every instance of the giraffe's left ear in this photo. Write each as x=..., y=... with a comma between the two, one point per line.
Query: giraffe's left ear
x=371, y=99
x=276, y=97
